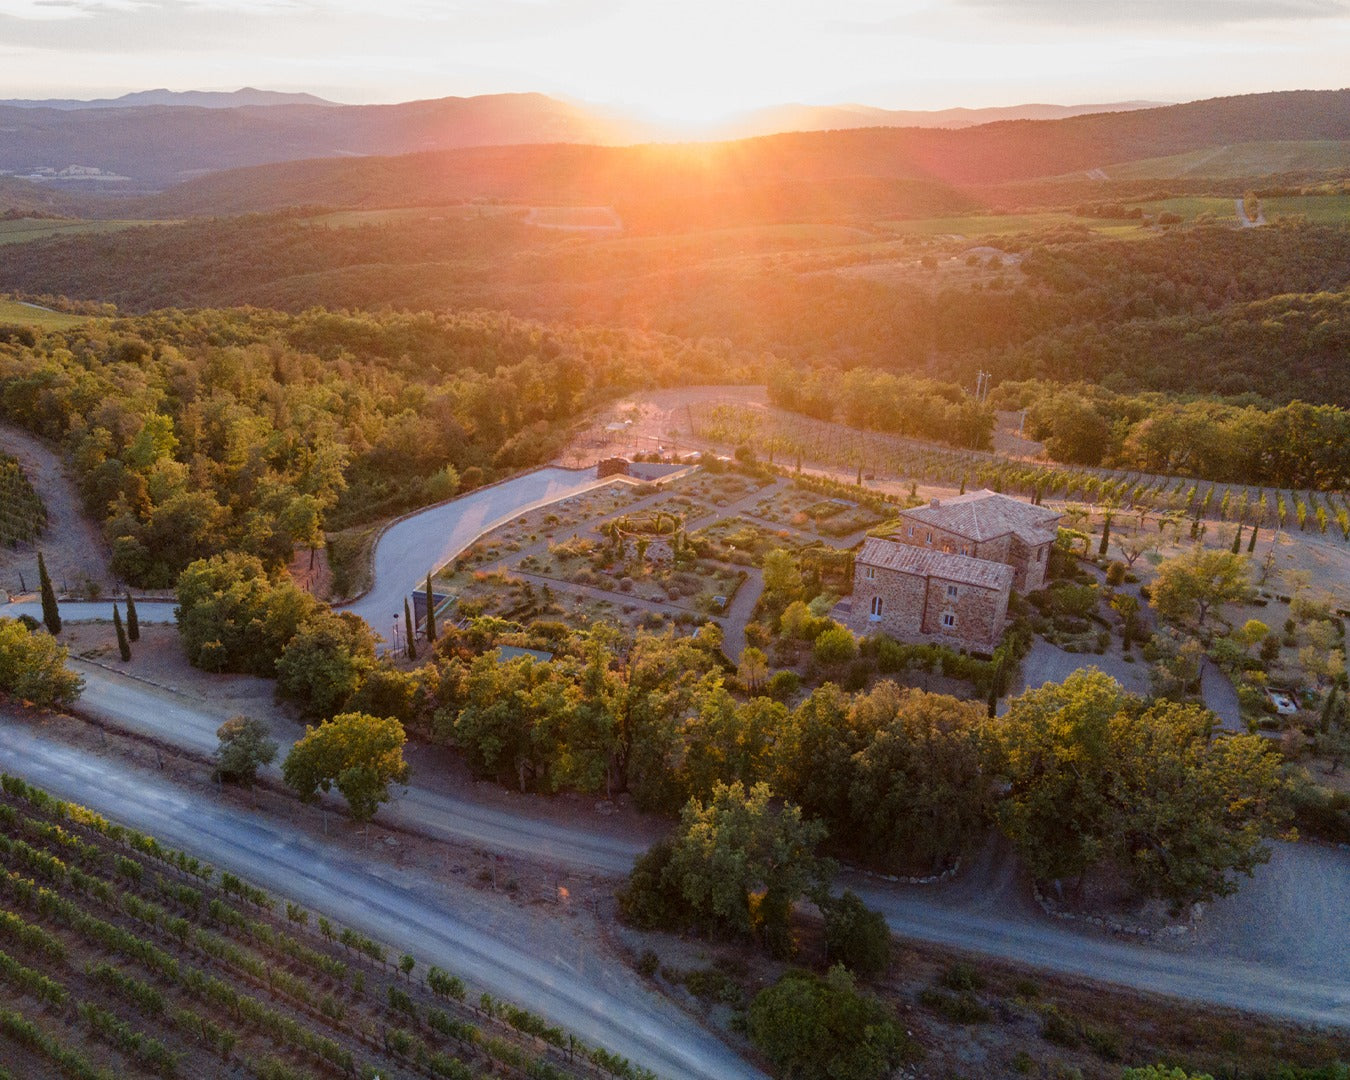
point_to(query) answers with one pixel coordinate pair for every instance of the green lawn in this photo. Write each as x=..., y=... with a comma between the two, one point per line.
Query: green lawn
x=11, y=312
x=25, y=229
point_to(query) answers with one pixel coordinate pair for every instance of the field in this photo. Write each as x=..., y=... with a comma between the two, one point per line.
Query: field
x=352, y=219
x=121, y=958
x=13, y=312
x=1319, y=209
x=22, y=230
x=1238, y=161
x=1005, y=225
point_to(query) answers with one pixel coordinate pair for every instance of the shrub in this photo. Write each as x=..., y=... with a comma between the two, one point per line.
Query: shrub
x=816, y=1029
x=856, y=936
x=835, y=646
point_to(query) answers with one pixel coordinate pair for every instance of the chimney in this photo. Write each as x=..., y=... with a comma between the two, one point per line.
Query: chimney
x=935, y=503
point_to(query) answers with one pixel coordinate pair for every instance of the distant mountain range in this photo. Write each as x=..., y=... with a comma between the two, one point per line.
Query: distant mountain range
x=783, y=118
x=801, y=176
x=197, y=99
x=151, y=140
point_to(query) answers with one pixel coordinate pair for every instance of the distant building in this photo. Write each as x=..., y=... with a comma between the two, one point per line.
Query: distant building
x=949, y=571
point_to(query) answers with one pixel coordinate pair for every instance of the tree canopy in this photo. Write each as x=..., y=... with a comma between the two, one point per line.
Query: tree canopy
x=33, y=667
x=360, y=755
x=1096, y=776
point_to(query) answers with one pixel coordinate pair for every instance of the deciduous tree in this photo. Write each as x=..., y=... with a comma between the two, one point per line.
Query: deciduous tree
x=244, y=748
x=33, y=667
x=1189, y=585
x=740, y=862
x=360, y=755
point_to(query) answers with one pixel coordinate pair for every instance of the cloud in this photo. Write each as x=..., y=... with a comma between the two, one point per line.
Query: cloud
x=144, y=26
x=1159, y=12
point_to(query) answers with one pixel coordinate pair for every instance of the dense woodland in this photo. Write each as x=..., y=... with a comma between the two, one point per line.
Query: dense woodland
x=1205, y=309
x=255, y=431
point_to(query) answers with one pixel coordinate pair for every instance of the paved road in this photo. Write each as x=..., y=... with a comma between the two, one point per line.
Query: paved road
x=1281, y=946
x=147, y=611
x=532, y=960
x=190, y=724
x=425, y=541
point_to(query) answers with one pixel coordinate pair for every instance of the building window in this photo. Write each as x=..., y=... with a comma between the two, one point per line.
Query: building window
x=929, y=538
x=949, y=620
x=911, y=530
x=869, y=572
x=965, y=549
x=876, y=607
x=1040, y=554
x=952, y=592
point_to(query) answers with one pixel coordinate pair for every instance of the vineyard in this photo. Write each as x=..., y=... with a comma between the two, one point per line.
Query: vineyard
x=120, y=958
x=784, y=438
x=22, y=515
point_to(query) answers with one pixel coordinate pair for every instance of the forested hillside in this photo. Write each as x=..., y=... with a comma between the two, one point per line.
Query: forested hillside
x=1206, y=309
x=254, y=431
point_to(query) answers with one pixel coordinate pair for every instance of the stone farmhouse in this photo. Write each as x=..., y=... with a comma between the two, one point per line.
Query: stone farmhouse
x=947, y=574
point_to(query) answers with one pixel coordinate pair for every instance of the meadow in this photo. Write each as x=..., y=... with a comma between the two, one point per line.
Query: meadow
x=22, y=230
x=14, y=312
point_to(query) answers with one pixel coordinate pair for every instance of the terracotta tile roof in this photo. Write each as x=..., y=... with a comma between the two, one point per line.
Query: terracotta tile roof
x=985, y=515
x=926, y=562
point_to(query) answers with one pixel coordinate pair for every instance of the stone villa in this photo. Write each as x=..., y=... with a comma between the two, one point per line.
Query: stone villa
x=948, y=572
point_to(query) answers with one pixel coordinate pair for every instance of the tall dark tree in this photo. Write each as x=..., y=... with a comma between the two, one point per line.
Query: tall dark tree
x=431, y=613
x=123, y=645
x=133, y=623
x=1251, y=541
x=1237, y=540
x=51, y=614
x=408, y=630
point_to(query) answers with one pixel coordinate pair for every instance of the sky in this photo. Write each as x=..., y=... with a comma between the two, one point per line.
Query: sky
x=681, y=60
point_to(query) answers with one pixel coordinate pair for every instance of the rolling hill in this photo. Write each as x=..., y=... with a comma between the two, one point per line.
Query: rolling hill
x=157, y=145
x=799, y=176
x=203, y=99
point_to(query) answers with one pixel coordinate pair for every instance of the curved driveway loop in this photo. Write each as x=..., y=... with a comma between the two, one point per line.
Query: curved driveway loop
x=425, y=541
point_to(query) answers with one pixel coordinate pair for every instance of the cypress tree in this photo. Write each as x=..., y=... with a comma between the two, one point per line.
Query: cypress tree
x=51, y=614
x=1251, y=541
x=408, y=628
x=133, y=623
x=431, y=613
x=1329, y=709
x=1106, y=534
x=1237, y=539
x=123, y=645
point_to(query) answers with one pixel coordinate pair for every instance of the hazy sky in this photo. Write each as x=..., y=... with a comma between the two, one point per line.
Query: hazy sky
x=681, y=59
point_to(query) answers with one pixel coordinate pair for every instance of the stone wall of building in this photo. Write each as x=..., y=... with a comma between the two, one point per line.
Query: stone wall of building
x=902, y=599
x=979, y=615
x=1030, y=565
x=912, y=608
